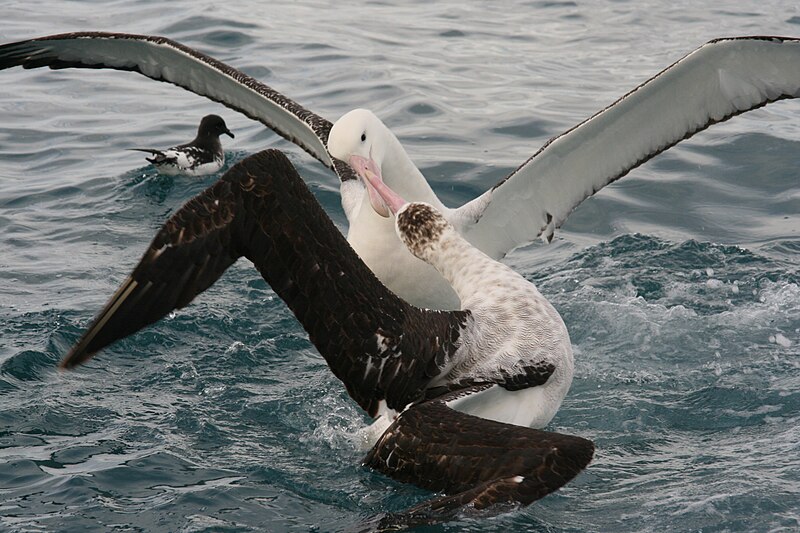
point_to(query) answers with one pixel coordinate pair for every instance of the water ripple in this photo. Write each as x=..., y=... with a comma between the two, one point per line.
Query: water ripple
x=679, y=283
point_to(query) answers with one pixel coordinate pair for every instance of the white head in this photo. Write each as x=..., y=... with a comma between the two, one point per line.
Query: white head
x=359, y=132
x=361, y=139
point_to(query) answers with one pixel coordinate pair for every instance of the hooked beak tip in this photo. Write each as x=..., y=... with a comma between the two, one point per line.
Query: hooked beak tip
x=368, y=171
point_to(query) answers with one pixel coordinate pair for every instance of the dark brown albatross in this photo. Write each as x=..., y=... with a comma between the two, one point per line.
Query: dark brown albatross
x=392, y=357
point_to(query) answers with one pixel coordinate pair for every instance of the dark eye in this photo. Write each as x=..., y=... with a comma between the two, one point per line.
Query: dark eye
x=363, y=136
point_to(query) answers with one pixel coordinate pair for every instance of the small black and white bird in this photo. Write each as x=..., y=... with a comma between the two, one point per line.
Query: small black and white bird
x=202, y=156
x=455, y=394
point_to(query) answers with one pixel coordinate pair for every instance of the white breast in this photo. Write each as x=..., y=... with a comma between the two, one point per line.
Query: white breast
x=376, y=243
x=533, y=407
x=512, y=326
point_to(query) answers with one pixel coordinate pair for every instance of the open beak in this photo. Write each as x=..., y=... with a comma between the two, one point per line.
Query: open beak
x=382, y=198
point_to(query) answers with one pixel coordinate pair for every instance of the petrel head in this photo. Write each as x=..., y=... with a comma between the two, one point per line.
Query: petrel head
x=213, y=126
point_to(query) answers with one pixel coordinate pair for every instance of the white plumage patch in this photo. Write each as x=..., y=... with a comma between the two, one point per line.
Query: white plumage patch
x=512, y=328
x=190, y=162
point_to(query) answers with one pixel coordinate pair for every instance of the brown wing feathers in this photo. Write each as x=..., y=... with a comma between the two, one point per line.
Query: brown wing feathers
x=473, y=461
x=355, y=322
x=262, y=209
x=186, y=257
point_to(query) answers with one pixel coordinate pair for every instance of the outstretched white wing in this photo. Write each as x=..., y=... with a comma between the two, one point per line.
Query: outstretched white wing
x=723, y=78
x=161, y=59
x=717, y=81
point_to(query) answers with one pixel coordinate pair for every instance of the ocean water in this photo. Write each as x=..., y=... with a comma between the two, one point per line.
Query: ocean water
x=679, y=284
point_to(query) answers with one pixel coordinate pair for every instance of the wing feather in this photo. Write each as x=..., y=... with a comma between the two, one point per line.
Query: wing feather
x=480, y=465
x=722, y=79
x=162, y=59
x=261, y=209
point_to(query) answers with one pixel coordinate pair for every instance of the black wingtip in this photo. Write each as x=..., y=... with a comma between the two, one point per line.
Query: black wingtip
x=579, y=451
x=146, y=150
x=86, y=347
x=72, y=360
x=79, y=354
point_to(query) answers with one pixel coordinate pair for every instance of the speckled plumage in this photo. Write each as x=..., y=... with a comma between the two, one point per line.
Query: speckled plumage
x=513, y=337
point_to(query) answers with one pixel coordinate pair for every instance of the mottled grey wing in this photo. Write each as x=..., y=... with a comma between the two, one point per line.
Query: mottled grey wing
x=480, y=465
x=162, y=59
x=378, y=345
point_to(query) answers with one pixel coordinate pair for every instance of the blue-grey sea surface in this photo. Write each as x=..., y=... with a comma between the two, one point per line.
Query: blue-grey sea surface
x=679, y=284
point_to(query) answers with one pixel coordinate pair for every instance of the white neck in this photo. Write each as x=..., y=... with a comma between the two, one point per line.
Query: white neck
x=463, y=266
x=400, y=173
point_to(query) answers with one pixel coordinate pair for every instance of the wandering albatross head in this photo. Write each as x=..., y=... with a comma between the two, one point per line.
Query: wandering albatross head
x=361, y=139
x=363, y=143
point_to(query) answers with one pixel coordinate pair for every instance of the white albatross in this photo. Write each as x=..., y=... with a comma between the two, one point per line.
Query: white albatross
x=721, y=79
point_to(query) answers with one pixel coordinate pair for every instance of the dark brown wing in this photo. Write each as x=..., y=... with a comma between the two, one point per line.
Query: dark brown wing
x=186, y=257
x=378, y=345
x=162, y=59
x=485, y=465
x=528, y=376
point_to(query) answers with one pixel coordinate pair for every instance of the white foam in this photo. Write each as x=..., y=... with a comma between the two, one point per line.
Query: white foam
x=780, y=340
x=235, y=346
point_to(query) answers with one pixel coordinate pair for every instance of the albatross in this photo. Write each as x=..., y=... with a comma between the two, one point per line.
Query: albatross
x=457, y=395
x=721, y=79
